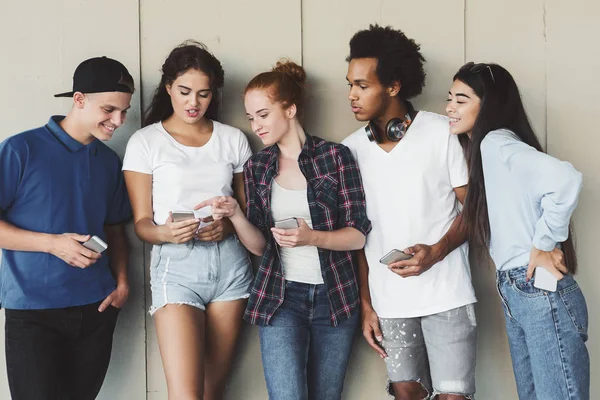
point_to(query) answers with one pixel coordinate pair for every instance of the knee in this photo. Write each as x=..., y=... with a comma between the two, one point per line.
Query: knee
x=215, y=380
x=411, y=390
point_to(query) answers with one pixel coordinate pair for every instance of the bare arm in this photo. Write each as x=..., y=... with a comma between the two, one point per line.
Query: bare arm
x=118, y=252
x=250, y=236
x=238, y=191
x=67, y=246
x=370, y=321
x=363, y=279
x=118, y=257
x=343, y=239
x=457, y=234
x=340, y=240
x=139, y=187
x=13, y=238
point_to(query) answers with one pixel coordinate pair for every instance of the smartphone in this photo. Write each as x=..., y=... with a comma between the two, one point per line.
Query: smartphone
x=95, y=244
x=394, y=256
x=288, y=223
x=182, y=215
x=543, y=279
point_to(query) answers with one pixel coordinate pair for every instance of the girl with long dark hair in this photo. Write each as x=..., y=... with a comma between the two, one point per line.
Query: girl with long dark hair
x=200, y=275
x=519, y=204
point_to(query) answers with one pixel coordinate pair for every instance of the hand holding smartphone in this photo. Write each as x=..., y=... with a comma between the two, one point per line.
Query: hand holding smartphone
x=288, y=223
x=393, y=256
x=187, y=215
x=182, y=215
x=95, y=244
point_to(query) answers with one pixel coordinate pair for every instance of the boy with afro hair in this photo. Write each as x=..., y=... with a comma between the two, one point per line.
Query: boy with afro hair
x=417, y=302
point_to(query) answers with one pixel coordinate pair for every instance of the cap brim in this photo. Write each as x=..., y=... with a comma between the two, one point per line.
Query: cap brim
x=66, y=94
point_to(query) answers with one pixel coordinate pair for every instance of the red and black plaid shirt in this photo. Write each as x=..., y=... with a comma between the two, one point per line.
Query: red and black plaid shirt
x=336, y=200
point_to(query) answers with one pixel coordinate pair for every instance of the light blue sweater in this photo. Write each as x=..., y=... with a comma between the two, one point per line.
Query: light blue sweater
x=530, y=196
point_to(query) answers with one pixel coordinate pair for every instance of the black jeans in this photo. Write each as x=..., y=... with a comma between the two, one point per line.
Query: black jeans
x=58, y=354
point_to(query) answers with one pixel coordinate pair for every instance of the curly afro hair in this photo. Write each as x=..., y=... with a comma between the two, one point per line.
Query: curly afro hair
x=398, y=57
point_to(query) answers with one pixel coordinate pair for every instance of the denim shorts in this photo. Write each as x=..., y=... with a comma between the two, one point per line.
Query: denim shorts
x=438, y=351
x=197, y=273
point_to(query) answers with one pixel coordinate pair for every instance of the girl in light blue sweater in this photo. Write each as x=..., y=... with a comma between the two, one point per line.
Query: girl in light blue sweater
x=519, y=204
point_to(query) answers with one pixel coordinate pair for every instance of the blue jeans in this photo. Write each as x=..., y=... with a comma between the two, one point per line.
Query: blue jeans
x=303, y=356
x=547, y=332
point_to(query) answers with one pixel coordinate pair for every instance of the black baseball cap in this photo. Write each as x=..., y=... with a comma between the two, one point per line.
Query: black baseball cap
x=100, y=74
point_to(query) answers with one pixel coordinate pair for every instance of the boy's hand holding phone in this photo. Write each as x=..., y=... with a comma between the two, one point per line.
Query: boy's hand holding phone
x=69, y=248
x=423, y=258
x=95, y=244
x=394, y=256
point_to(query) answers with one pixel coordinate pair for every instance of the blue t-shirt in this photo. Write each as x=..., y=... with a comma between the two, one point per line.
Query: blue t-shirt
x=51, y=183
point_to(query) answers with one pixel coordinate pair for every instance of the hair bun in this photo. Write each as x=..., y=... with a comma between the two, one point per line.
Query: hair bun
x=291, y=69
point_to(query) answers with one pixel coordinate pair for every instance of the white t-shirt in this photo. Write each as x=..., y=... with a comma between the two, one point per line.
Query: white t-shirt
x=410, y=199
x=301, y=263
x=183, y=176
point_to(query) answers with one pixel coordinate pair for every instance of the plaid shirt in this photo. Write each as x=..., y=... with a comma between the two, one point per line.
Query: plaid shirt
x=336, y=200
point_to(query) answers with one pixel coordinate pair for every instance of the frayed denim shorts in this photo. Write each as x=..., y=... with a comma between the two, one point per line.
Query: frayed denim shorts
x=436, y=350
x=197, y=273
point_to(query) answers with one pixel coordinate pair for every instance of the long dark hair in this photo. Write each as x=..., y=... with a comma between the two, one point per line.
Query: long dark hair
x=188, y=55
x=501, y=107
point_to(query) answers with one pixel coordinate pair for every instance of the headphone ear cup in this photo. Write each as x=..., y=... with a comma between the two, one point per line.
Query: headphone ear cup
x=395, y=129
x=372, y=132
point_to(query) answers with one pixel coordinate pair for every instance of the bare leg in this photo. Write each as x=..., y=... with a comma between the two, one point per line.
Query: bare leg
x=180, y=331
x=223, y=324
x=409, y=391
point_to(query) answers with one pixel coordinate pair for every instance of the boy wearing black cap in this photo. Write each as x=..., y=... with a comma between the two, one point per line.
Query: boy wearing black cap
x=59, y=187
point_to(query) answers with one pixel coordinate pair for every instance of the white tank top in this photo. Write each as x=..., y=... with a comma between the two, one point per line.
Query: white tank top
x=300, y=264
